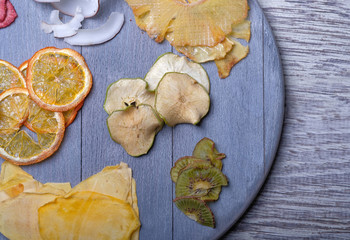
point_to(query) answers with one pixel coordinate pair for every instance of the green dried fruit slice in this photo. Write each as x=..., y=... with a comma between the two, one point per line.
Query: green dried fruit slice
x=182, y=163
x=170, y=62
x=205, y=149
x=196, y=210
x=134, y=128
x=181, y=99
x=198, y=182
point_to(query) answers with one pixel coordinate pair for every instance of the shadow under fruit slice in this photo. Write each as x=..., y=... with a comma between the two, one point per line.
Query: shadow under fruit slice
x=181, y=99
x=134, y=128
x=16, y=145
x=198, y=182
x=205, y=149
x=196, y=210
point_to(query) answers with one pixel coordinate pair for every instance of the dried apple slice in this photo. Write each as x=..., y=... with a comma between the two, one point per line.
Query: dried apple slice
x=170, y=62
x=87, y=215
x=241, y=30
x=89, y=7
x=98, y=35
x=127, y=92
x=134, y=128
x=181, y=99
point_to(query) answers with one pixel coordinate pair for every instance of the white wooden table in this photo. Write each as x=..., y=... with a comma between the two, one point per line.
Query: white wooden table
x=307, y=194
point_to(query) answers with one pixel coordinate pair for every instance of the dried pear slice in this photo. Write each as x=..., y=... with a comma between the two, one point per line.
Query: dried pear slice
x=197, y=182
x=241, y=30
x=87, y=215
x=127, y=92
x=181, y=99
x=196, y=210
x=170, y=62
x=237, y=53
x=205, y=149
x=182, y=163
x=134, y=128
x=19, y=215
x=202, y=54
x=195, y=23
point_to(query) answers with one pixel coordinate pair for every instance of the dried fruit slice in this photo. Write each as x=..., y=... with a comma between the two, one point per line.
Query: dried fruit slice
x=237, y=53
x=127, y=92
x=3, y=10
x=202, y=54
x=17, y=146
x=87, y=215
x=198, y=181
x=70, y=115
x=182, y=163
x=134, y=128
x=19, y=215
x=10, y=16
x=205, y=149
x=23, y=67
x=189, y=24
x=170, y=62
x=89, y=7
x=10, y=76
x=181, y=99
x=241, y=30
x=58, y=79
x=196, y=210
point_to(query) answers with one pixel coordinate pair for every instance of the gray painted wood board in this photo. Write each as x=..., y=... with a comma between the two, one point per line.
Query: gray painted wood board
x=245, y=119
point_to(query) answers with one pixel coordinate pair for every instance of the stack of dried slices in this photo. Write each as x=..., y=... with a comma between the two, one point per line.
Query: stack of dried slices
x=46, y=101
x=203, y=30
x=104, y=206
x=175, y=91
x=198, y=179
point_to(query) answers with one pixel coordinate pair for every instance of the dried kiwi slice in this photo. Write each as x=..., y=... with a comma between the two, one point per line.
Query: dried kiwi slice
x=196, y=210
x=181, y=99
x=182, y=163
x=198, y=182
x=205, y=149
x=170, y=62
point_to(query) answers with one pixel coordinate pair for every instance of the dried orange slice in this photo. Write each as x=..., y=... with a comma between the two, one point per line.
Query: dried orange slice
x=16, y=145
x=188, y=23
x=58, y=79
x=10, y=76
x=23, y=68
x=70, y=115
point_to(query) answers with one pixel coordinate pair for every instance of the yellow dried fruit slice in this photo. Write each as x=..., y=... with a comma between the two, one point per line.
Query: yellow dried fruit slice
x=19, y=215
x=16, y=145
x=70, y=115
x=241, y=30
x=237, y=53
x=58, y=79
x=87, y=215
x=23, y=68
x=10, y=76
x=198, y=23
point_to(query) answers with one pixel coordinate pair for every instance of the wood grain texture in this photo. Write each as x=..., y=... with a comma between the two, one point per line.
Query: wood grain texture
x=307, y=194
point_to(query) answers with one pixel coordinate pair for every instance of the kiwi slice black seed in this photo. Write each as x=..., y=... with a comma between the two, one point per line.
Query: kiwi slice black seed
x=205, y=149
x=198, y=182
x=196, y=210
x=182, y=163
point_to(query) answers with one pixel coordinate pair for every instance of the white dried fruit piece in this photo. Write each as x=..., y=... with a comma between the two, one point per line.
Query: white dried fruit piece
x=99, y=35
x=170, y=62
x=64, y=30
x=127, y=92
x=89, y=7
x=134, y=128
x=181, y=99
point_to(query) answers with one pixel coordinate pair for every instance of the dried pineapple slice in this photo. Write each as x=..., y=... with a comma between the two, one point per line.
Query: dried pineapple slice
x=196, y=23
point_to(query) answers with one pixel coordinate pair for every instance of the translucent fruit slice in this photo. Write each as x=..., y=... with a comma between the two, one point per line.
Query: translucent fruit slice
x=189, y=24
x=134, y=128
x=58, y=79
x=196, y=210
x=23, y=68
x=19, y=147
x=87, y=215
x=205, y=149
x=170, y=62
x=127, y=92
x=10, y=76
x=182, y=163
x=181, y=99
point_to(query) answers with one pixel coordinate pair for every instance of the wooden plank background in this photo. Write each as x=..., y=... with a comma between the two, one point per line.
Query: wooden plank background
x=307, y=194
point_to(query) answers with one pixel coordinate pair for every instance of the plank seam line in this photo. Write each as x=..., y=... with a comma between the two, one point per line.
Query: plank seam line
x=263, y=77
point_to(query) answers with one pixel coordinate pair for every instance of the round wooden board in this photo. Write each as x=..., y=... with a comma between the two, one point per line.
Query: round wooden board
x=245, y=119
